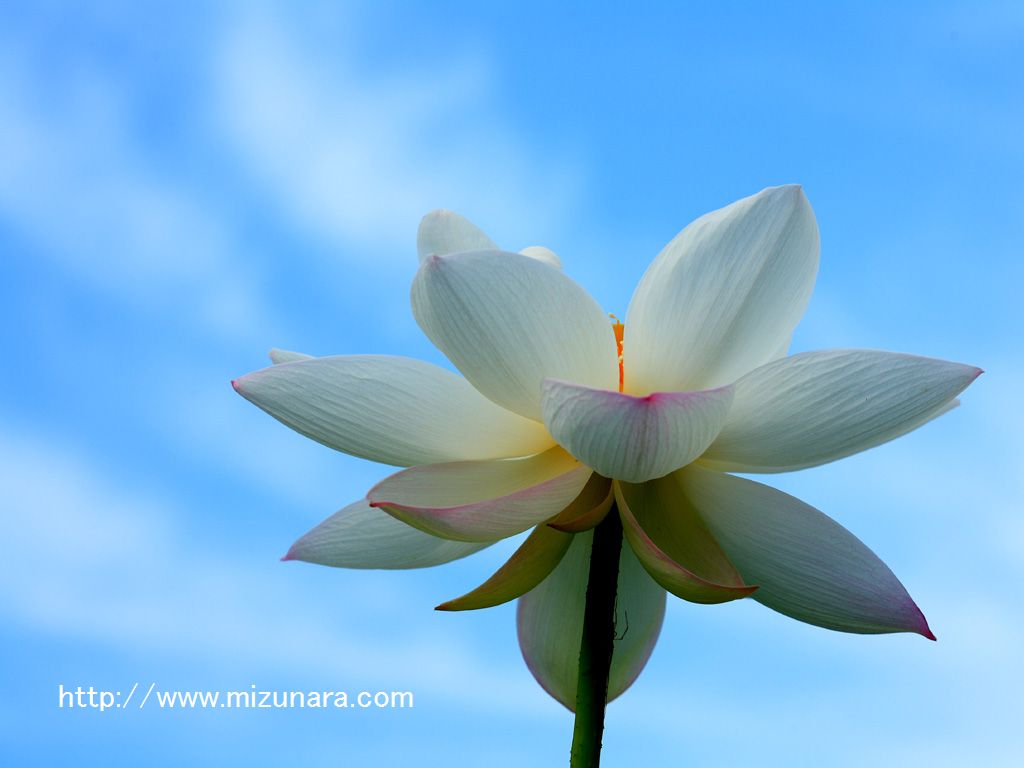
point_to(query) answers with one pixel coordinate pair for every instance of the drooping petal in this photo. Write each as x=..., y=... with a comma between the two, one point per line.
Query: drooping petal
x=360, y=536
x=278, y=356
x=550, y=622
x=390, y=409
x=442, y=232
x=508, y=321
x=807, y=566
x=817, y=407
x=674, y=546
x=528, y=567
x=482, y=500
x=724, y=295
x=633, y=438
x=588, y=509
x=541, y=253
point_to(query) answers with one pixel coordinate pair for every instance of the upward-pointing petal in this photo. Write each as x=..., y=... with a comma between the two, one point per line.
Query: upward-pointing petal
x=508, y=322
x=724, y=295
x=442, y=232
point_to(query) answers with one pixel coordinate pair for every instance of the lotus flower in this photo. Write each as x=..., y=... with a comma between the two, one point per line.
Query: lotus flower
x=561, y=415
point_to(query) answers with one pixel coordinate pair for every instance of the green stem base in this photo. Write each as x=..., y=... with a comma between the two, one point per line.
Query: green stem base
x=598, y=643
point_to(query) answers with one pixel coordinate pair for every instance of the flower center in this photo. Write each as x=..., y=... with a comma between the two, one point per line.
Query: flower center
x=619, y=329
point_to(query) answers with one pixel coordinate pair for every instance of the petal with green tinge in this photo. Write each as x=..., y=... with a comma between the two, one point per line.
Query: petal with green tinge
x=673, y=544
x=588, y=509
x=528, y=567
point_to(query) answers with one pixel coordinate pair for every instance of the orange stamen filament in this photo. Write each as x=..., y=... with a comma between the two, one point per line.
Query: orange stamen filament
x=619, y=329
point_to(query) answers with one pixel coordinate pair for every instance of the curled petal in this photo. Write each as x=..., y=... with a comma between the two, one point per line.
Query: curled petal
x=633, y=438
x=508, y=321
x=390, y=409
x=807, y=565
x=674, y=546
x=482, y=500
x=724, y=295
x=588, y=509
x=549, y=620
x=528, y=567
x=360, y=536
x=817, y=407
x=442, y=232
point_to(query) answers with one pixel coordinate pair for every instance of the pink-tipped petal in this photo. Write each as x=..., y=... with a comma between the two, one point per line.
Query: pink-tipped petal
x=549, y=620
x=482, y=500
x=633, y=438
x=807, y=565
x=817, y=407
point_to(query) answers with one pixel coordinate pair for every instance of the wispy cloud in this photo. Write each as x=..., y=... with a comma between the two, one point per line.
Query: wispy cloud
x=78, y=182
x=357, y=153
x=94, y=558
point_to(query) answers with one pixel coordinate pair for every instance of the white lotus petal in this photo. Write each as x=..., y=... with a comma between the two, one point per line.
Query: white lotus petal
x=817, y=407
x=442, y=232
x=482, y=500
x=390, y=409
x=805, y=564
x=360, y=536
x=278, y=356
x=782, y=350
x=723, y=296
x=508, y=322
x=541, y=253
x=633, y=438
x=550, y=622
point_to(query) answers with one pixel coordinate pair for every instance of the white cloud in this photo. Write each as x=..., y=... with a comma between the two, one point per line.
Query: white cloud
x=93, y=559
x=76, y=180
x=358, y=156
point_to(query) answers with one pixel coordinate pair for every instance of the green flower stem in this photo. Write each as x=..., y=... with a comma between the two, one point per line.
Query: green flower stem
x=598, y=642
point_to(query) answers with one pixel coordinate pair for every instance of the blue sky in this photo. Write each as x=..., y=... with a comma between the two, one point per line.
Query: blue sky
x=183, y=188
